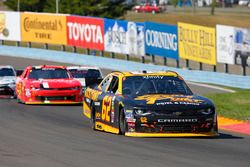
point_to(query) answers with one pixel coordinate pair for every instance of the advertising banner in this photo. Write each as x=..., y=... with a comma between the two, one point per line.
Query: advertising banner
x=43, y=28
x=197, y=43
x=225, y=44
x=86, y=32
x=161, y=39
x=135, y=38
x=10, y=26
x=233, y=45
x=115, y=36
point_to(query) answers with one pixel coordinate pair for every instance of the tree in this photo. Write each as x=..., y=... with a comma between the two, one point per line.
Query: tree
x=98, y=8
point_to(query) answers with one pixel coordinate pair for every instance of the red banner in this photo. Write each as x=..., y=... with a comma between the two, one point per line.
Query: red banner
x=85, y=32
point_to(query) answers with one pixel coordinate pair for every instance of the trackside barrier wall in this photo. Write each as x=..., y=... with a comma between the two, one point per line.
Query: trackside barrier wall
x=115, y=64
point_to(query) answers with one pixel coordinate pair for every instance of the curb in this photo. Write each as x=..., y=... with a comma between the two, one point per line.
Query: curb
x=234, y=125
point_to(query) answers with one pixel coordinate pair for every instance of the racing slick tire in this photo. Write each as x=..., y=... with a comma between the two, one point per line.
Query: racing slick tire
x=92, y=120
x=19, y=101
x=122, y=122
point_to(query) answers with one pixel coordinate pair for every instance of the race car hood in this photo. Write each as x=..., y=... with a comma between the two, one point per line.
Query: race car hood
x=169, y=102
x=55, y=83
x=7, y=80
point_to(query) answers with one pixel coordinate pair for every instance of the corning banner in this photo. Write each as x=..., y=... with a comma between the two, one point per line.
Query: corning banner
x=86, y=32
x=161, y=39
x=115, y=36
x=135, y=38
x=197, y=43
x=43, y=28
x=10, y=26
x=225, y=44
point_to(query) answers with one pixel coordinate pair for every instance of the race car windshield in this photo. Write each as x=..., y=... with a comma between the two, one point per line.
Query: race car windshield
x=6, y=72
x=48, y=73
x=90, y=73
x=141, y=85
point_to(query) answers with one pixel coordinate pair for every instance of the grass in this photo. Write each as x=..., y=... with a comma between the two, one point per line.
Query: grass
x=233, y=105
x=199, y=18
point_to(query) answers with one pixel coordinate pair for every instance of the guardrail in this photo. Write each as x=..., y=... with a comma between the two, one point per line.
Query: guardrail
x=123, y=65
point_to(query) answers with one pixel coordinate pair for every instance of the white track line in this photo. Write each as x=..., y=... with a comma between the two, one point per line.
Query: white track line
x=211, y=86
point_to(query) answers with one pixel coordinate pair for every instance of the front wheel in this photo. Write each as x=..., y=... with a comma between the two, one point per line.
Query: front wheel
x=122, y=122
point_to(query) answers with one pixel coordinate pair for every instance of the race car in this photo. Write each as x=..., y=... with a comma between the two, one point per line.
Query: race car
x=87, y=75
x=48, y=84
x=149, y=104
x=7, y=81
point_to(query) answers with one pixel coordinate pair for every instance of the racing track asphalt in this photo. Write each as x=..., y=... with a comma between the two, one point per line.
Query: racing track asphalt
x=60, y=136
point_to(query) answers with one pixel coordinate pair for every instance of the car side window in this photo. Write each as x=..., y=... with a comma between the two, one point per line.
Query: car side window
x=105, y=83
x=113, y=85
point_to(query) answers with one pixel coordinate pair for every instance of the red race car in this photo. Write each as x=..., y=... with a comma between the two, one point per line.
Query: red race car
x=48, y=85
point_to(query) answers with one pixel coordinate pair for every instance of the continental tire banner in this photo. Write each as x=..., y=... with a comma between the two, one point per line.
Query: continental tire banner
x=43, y=28
x=86, y=32
x=115, y=36
x=161, y=40
x=197, y=43
x=10, y=26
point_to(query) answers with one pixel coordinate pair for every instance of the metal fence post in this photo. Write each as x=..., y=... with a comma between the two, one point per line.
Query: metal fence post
x=165, y=61
x=177, y=64
x=143, y=59
x=29, y=44
x=226, y=68
x=74, y=49
x=187, y=63
x=18, y=43
x=112, y=54
x=63, y=48
x=46, y=46
x=127, y=57
x=153, y=59
x=215, y=69
x=201, y=66
x=88, y=52
x=102, y=53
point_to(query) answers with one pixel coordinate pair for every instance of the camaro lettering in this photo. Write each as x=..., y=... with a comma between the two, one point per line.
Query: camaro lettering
x=194, y=120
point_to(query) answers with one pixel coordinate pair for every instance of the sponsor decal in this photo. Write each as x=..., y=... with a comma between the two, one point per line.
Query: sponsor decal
x=161, y=39
x=197, y=43
x=144, y=119
x=98, y=115
x=106, y=108
x=172, y=98
x=97, y=103
x=87, y=32
x=92, y=94
x=153, y=77
x=172, y=120
x=43, y=28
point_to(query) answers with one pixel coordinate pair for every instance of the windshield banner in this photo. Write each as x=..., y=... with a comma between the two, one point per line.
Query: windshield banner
x=197, y=43
x=115, y=36
x=86, y=32
x=161, y=40
x=10, y=26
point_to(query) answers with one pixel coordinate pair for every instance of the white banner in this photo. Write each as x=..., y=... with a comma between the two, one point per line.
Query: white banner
x=10, y=26
x=225, y=44
x=135, y=38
